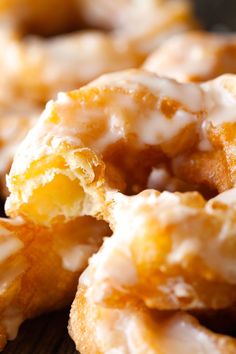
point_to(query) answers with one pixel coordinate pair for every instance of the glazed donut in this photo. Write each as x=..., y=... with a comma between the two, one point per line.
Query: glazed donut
x=194, y=57
x=43, y=67
x=40, y=69
x=35, y=69
x=168, y=251
x=92, y=141
x=177, y=250
x=39, y=267
x=133, y=328
x=144, y=24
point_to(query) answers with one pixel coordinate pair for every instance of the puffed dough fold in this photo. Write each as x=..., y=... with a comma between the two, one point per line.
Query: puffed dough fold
x=39, y=267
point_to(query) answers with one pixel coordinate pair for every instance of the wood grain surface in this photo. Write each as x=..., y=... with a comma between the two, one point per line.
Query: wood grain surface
x=48, y=334
x=44, y=335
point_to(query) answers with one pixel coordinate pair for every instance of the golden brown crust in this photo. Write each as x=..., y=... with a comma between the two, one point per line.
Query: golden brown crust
x=98, y=330
x=40, y=267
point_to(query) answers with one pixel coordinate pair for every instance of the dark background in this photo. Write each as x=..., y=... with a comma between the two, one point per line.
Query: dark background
x=216, y=15
x=48, y=334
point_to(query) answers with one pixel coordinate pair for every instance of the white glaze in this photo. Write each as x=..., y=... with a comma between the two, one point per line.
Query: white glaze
x=129, y=331
x=158, y=129
x=114, y=264
x=9, y=245
x=121, y=331
x=154, y=128
x=8, y=276
x=75, y=258
x=180, y=336
x=228, y=197
x=11, y=320
x=158, y=179
x=185, y=249
x=220, y=103
x=220, y=100
x=189, y=95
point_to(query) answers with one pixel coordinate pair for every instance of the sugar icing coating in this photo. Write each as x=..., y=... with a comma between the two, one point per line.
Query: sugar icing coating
x=130, y=113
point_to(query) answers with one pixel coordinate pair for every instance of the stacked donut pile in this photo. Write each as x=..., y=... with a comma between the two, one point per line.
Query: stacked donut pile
x=139, y=163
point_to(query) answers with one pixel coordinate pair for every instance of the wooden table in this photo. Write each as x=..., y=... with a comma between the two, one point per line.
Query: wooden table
x=44, y=335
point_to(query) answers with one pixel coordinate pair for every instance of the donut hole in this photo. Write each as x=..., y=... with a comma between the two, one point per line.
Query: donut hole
x=163, y=179
x=150, y=169
x=131, y=166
